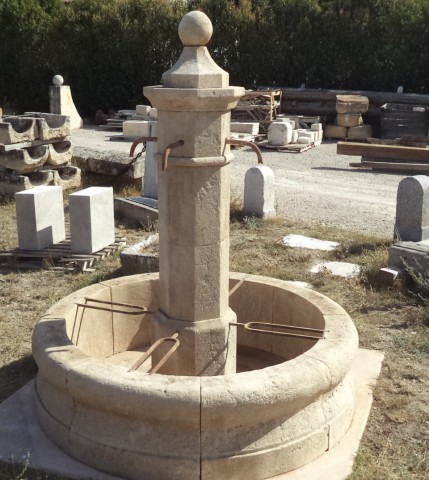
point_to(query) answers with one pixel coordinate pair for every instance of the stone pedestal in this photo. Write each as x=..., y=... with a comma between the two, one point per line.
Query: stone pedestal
x=92, y=223
x=193, y=106
x=61, y=102
x=40, y=217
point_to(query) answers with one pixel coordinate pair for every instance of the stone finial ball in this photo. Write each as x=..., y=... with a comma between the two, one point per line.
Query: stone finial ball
x=58, y=80
x=195, y=29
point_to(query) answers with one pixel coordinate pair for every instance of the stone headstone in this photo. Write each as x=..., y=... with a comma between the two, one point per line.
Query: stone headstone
x=92, y=224
x=40, y=217
x=412, y=209
x=259, y=192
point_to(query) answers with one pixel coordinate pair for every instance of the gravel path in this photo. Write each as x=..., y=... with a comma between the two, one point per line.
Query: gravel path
x=317, y=185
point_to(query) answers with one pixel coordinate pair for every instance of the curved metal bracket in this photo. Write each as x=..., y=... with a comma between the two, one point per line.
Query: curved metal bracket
x=139, y=140
x=149, y=352
x=245, y=143
x=166, y=154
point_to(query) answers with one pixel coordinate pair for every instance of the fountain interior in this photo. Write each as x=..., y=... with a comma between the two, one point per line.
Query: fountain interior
x=229, y=402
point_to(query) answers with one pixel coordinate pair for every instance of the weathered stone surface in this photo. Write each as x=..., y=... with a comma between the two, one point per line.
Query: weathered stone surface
x=60, y=153
x=40, y=217
x=66, y=177
x=51, y=125
x=92, y=224
x=18, y=129
x=412, y=209
x=335, y=131
x=349, y=120
x=259, y=195
x=134, y=258
x=25, y=159
x=360, y=133
x=279, y=133
x=352, y=104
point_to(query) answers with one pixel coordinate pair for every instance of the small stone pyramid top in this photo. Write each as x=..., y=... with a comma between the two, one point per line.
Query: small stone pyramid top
x=195, y=29
x=195, y=67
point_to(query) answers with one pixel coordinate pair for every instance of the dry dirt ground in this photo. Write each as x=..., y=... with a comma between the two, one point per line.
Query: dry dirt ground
x=396, y=441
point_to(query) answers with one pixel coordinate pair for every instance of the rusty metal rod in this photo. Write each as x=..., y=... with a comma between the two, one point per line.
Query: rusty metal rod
x=139, y=140
x=166, y=154
x=250, y=326
x=245, y=143
x=140, y=310
x=149, y=352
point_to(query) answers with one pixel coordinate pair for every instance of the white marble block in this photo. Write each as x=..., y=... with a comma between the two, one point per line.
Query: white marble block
x=92, y=224
x=153, y=112
x=294, y=136
x=279, y=133
x=259, y=192
x=316, y=127
x=40, y=217
x=136, y=128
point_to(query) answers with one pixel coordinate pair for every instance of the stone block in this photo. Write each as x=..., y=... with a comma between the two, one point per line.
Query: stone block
x=294, y=136
x=413, y=256
x=40, y=217
x=352, y=104
x=59, y=153
x=335, y=131
x=317, y=127
x=279, y=133
x=412, y=209
x=259, y=192
x=139, y=211
x=359, y=133
x=51, y=125
x=25, y=159
x=304, y=140
x=311, y=134
x=18, y=129
x=153, y=113
x=150, y=179
x=143, y=110
x=349, y=119
x=136, y=258
x=136, y=128
x=92, y=225
x=251, y=128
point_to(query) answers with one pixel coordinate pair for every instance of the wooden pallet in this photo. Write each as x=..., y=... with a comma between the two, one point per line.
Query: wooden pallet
x=59, y=257
x=291, y=147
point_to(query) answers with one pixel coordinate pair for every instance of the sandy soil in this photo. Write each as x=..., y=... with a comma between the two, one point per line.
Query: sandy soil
x=317, y=185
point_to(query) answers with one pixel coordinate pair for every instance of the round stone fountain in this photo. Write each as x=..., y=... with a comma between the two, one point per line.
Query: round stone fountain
x=243, y=376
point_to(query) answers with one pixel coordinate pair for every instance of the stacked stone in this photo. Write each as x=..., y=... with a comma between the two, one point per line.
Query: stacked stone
x=284, y=132
x=35, y=149
x=349, y=123
x=140, y=124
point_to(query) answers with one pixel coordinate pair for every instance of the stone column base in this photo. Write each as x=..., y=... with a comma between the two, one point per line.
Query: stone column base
x=207, y=347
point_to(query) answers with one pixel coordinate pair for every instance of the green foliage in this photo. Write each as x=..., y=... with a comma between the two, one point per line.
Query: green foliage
x=107, y=50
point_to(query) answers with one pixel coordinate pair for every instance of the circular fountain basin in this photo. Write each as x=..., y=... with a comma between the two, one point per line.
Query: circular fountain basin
x=291, y=400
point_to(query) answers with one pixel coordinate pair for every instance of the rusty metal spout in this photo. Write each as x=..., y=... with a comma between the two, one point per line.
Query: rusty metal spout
x=139, y=140
x=177, y=144
x=245, y=143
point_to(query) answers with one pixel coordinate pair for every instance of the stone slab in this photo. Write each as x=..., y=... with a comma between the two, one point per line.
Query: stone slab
x=302, y=241
x=339, y=269
x=251, y=128
x=40, y=217
x=92, y=224
x=140, y=211
x=21, y=437
x=136, y=128
x=135, y=260
x=413, y=255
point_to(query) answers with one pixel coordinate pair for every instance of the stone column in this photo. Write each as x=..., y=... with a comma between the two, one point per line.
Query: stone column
x=194, y=105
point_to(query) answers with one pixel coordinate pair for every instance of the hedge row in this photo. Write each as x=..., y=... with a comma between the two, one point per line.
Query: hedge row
x=107, y=50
